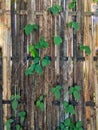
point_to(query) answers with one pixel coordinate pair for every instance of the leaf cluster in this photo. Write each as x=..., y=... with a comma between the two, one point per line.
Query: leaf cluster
x=40, y=103
x=74, y=25
x=8, y=124
x=56, y=91
x=67, y=124
x=29, y=28
x=55, y=9
x=68, y=108
x=42, y=44
x=75, y=91
x=38, y=65
x=22, y=114
x=86, y=49
x=15, y=101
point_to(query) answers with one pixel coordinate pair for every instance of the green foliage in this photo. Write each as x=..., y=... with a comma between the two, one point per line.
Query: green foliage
x=30, y=70
x=22, y=115
x=74, y=25
x=55, y=9
x=38, y=69
x=79, y=124
x=95, y=0
x=8, y=124
x=46, y=61
x=33, y=51
x=18, y=127
x=36, y=66
x=40, y=103
x=57, y=40
x=72, y=4
x=29, y=28
x=56, y=91
x=14, y=101
x=67, y=124
x=86, y=49
x=75, y=90
x=68, y=108
x=42, y=44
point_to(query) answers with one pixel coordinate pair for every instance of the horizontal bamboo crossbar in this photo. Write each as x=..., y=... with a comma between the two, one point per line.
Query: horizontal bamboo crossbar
x=26, y=12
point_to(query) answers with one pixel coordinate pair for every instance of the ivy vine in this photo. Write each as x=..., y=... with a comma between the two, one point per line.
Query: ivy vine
x=21, y=114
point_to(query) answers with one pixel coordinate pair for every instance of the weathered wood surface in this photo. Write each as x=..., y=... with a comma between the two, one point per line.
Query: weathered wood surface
x=65, y=73
x=5, y=44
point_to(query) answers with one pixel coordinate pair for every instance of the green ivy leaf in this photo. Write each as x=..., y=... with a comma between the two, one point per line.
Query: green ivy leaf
x=58, y=87
x=42, y=106
x=66, y=128
x=42, y=44
x=36, y=60
x=77, y=88
x=22, y=116
x=71, y=109
x=53, y=90
x=71, y=90
x=62, y=126
x=67, y=122
x=81, y=128
x=12, y=97
x=75, y=25
x=38, y=103
x=55, y=9
x=72, y=126
x=56, y=91
x=38, y=69
x=18, y=97
x=14, y=105
x=65, y=104
x=8, y=124
x=57, y=94
x=57, y=40
x=46, y=61
x=30, y=70
x=79, y=124
x=41, y=97
x=29, y=28
x=86, y=49
x=10, y=120
x=33, y=51
x=71, y=5
x=76, y=128
x=18, y=127
x=69, y=25
x=76, y=95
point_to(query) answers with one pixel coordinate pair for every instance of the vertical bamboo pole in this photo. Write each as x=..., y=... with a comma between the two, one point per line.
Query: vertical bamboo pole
x=1, y=104
x=96, y=85
x=5, y=41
